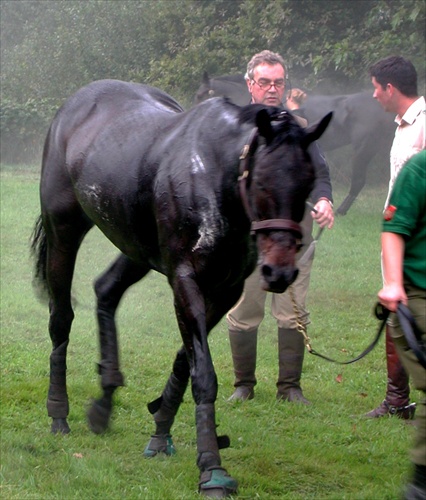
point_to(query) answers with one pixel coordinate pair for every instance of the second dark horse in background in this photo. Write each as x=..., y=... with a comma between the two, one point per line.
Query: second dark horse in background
x=180, y=193
x=358, y=120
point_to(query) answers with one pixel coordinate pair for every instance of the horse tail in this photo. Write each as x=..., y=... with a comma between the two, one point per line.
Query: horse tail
x=39, y=253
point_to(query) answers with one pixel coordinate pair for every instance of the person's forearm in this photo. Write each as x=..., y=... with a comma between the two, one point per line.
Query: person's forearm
x=393, y=292
x=393, y=246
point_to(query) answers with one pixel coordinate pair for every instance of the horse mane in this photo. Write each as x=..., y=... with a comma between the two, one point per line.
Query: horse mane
x=281, y=119
x=249, y=113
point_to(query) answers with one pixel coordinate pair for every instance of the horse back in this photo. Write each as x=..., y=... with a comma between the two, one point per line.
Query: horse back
x=357, y=120
x=96, y=138
x=97, y=106
x=125, y=157
x=369, y=123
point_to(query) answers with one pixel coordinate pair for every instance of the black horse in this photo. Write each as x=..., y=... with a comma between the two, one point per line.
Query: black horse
x=358, y=120
x=179, y=193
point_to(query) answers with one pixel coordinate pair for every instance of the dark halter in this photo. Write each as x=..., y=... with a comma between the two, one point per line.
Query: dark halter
x=259, y=225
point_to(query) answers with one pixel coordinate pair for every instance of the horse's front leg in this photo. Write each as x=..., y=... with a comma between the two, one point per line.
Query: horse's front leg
x=191, y=313
x=109, y=289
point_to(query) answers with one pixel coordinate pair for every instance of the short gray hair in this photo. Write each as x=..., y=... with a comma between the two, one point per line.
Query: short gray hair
x=266, y=56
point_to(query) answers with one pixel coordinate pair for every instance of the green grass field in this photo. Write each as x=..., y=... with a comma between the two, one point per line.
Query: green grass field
x=278, y=450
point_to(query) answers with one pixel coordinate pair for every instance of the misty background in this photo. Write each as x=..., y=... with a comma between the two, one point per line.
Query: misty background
x=49, y=49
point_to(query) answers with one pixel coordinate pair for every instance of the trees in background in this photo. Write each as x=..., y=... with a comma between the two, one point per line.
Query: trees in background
x=51, y=48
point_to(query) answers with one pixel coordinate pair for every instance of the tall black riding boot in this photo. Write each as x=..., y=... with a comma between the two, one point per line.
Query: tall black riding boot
x=244, y=350
x=291, y=351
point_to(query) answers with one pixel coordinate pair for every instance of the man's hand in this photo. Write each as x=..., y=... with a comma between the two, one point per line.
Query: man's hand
x=390, y=296
x=324, y=215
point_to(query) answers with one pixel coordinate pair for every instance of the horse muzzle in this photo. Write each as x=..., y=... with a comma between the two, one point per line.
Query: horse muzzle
x=277, y=279
x=277, y=259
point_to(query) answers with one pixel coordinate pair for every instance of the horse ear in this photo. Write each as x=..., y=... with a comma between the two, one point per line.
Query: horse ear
x=206, y=78
x=314, y=132
x=263, y=124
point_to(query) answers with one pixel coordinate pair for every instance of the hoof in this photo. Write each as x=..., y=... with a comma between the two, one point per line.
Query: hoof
x=215, y=482
x=60, y=426
x=345, y=205
x=160, y=444
x=98, y=418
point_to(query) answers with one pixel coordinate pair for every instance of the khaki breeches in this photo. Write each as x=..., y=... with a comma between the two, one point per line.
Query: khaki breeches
x=249, y=311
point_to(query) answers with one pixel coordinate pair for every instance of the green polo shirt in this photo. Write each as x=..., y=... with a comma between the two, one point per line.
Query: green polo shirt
x=406, y=215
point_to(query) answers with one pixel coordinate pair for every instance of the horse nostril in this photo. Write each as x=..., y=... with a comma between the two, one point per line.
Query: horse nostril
x=294, y=276
x=266, y=271
x=277, y=279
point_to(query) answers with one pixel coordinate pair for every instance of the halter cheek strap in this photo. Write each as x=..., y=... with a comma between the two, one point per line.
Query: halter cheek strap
x=245, y=172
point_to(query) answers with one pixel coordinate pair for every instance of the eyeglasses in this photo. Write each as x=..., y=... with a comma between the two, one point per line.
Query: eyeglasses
x=267, y=84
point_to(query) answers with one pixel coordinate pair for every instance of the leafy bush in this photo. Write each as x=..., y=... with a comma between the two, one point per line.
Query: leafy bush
x=49, y=49
x=23, y=127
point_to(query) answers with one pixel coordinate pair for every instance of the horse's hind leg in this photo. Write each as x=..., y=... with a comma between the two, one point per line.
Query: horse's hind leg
x=166, y=407
x=61, y=256
x=109, y=289
x=360, y=163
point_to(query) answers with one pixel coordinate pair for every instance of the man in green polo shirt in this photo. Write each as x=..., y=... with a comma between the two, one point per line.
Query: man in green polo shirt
x=404, y=273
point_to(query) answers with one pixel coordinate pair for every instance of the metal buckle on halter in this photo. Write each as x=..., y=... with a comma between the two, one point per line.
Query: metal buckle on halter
x=244, y=175
x=244, y=151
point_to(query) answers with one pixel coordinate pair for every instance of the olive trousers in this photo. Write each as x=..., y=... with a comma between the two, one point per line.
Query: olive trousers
x=417, y=305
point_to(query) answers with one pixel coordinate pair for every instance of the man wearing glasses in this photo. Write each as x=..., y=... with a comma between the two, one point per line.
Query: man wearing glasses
x=267, y=84
x=265, y=79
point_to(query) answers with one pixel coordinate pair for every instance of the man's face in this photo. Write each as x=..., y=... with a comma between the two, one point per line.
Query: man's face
x=383, y=95
x=260, y=89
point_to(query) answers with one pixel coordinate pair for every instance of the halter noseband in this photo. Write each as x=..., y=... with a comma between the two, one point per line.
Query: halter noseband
x=259, y=225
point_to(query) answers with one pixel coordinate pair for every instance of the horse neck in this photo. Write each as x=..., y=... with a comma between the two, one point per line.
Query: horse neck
x=236, y=91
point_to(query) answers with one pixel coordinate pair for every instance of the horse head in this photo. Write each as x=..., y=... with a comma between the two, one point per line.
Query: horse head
x=276, y=178
x=232, y=86
x=205, y=90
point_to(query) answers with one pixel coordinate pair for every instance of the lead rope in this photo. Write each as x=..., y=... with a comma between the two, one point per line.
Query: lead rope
x=301, y=327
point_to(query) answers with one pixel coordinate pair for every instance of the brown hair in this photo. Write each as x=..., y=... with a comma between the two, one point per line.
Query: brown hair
x=398, y=71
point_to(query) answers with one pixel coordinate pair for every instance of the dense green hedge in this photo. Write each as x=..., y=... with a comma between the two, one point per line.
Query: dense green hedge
x=51, y=48
x=23, y=127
